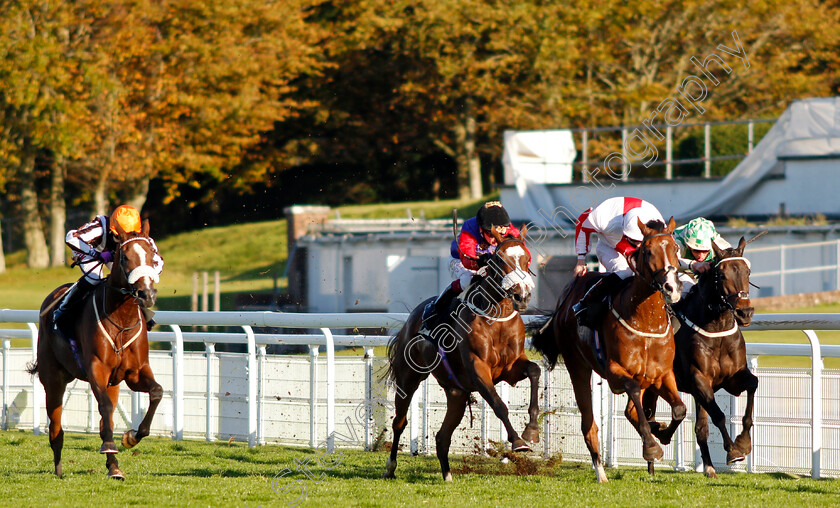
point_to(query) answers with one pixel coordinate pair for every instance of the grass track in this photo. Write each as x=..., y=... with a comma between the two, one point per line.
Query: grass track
x=195, y=473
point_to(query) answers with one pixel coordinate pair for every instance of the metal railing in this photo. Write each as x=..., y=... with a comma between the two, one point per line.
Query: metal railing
x=256, y=359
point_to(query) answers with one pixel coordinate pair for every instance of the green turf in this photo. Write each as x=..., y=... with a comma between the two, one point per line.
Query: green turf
x=160, y=472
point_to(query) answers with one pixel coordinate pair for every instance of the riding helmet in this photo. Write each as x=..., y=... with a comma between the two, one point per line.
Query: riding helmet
x=127, y=217
x=492, y=214
x=699, y=234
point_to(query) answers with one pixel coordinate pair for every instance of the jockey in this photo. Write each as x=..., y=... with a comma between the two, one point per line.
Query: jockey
x=695, y=241
x=615, y=221
x=469, y=252
x=94, y=247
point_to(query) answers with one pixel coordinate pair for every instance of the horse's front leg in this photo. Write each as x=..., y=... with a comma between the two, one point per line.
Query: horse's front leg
x=108, y=422
x=704, y=395
x=99, y=375
x=669, y=392
x=483, y=381
x=701, y=431
x=521, y=369
x=143, y=381
x=744, y=380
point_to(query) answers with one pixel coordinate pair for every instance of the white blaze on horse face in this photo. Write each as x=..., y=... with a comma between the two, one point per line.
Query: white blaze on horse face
x=671, y=278
x=143, y=270
x=518, y=276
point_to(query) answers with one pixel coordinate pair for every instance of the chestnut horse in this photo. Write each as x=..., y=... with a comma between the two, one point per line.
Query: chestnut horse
x=111, y=330
x=711, y=353
x=480, y=343
x=633, y=347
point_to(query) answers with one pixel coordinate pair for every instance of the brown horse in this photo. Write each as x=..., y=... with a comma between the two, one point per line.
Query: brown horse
x=711, y=353
x=111, y=331
x=633, y=348
x=480, y=343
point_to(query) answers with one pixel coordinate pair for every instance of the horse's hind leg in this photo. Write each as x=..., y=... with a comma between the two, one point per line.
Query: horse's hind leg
x=581, y=377
x=523, y=368
x=456, y=403
x=402, y=400
x=744, y=380
x=143, y=382
x=701, y=430
x=55, y=394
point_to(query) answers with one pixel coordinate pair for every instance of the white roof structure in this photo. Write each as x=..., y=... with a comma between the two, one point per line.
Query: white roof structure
x=795, y=169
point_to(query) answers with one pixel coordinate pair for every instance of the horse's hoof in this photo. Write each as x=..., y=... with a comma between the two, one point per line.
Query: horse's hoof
x=743, y=443
x=109, y=447
x=734, y=456
x=447, y=477
x=520, y=446
x=58, y=470
x=709, y=471
x=653, y=453
x=389, y=475
x=116, y=474
x=531, y=435
x=129, y=439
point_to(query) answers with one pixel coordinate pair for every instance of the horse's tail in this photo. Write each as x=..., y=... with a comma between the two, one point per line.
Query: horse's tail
x=32, y=367
x=544, y=339
x=393, y=345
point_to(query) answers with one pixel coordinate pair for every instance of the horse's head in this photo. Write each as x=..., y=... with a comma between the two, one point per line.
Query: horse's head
x=732, y=281
x=656, y=261
x=511, y=265
x=134, y=265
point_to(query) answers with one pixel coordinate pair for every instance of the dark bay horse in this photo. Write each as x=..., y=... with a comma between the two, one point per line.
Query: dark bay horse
x=111, y=330
x=480, y=343
x=711, y=354
x=633, y=348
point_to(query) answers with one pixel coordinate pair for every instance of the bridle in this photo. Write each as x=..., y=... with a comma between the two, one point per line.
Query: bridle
x=136, y=273
x=655, y=276
x=727, y=299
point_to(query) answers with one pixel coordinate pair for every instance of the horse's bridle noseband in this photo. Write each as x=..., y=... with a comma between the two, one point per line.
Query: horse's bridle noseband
x=131, y=291
x=654, y=282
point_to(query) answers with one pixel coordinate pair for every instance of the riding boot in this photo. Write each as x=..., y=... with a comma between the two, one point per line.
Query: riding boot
x=71, y=298
x=435, y=310
x=587, y=310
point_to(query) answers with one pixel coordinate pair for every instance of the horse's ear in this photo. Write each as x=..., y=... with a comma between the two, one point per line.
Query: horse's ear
x=145, y=230
x=522, y=231
x=646, y=231
x=741, y=245
x=717, y=251
x=631, y=260
x=672, y=224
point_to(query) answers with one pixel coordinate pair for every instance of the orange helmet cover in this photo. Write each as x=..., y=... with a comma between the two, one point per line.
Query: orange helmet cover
x=127, y=217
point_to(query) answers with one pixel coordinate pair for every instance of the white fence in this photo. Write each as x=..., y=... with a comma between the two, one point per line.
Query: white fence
x=302, y=400
x=796, y=268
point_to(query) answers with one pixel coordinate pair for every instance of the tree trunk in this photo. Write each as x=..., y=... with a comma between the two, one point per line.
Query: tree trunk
x=100, y=199
x=141, y=190
x=469, y=165
x=33, y=232
x=58, y=213
x=2, y=256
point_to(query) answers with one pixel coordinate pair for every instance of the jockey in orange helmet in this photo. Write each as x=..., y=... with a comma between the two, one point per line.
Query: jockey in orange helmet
x=94, y=247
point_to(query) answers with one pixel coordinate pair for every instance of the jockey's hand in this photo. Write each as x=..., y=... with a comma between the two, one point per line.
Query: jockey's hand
x=105, y=257
x=580, y=268
x=700, y=266
x=484, y=259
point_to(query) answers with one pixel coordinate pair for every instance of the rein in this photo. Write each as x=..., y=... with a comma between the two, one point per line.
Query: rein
x=724, y=298
x=121, y=329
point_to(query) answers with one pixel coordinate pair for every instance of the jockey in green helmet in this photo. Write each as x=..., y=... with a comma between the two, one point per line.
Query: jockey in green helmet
x=695, y=241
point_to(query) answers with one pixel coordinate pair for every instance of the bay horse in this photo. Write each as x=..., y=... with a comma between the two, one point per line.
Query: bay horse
x=711, y=354
x=111, y=331
x=633, y=346
x=480, y=343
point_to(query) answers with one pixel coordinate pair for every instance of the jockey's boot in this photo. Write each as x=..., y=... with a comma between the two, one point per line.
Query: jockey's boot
x=588, y=308
x=434, y=311
x=71, y=298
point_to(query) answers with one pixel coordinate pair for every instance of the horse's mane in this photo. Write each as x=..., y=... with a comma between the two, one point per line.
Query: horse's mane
x=656, y=225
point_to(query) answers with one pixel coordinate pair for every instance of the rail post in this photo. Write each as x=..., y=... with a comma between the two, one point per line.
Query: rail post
x=313, y=395
x=330, y=389
x=210, y=351
x=6, y=348
x=368, y=398
x=177, y=384
x=816, y=403
x=37, y=389
x=260, y=393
